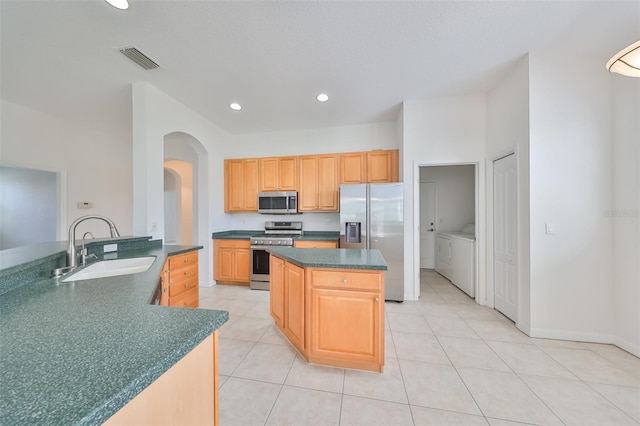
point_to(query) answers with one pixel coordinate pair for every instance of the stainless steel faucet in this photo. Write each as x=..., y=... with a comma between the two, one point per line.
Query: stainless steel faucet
x=83, y=254
x=72, y=255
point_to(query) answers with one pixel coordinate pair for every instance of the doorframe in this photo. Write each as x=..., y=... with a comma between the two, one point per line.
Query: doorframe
x=490, y=282
x=480, y=258
x=420, y=218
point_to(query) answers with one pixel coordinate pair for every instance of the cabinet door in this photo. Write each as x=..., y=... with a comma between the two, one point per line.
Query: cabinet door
x=234, y=185
x=250, y=189
x=294, y=304
x=225, y=265
x=382, y=166
x=346, y=325
x=308, y=194
x=353, y=167
x=328, y=183
x=242, y=270
x=288, y=174
x=268, y=174
x=276, y=289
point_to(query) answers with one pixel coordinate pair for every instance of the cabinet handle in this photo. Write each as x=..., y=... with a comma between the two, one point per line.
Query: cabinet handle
x=344, y=281
x=377, y=299
x=186, y=260
x=185, y=303
x=186, y=272
x=186, y=285
x=164, y=290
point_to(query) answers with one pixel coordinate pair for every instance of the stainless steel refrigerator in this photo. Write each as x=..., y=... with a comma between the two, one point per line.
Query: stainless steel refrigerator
x=371, y=217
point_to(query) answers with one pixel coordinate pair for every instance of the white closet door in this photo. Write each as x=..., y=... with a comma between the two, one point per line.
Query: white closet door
x=505, y=237
x=427, y=225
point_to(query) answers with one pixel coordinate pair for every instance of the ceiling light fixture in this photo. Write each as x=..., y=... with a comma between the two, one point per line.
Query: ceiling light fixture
x=322, y=97
x=626, y=61
x=235, y=106
x=119, y=4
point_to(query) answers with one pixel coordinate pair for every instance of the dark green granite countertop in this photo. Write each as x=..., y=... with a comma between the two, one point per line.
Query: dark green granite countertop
x=306, y=235
x=332, y=258
x=75, y=353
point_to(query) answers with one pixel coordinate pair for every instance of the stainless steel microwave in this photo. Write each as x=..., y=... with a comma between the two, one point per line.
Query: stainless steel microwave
x=278, y=202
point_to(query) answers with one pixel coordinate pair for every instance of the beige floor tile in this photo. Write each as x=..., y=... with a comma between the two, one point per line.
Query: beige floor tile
x=626, y=399
x=477, y=312
x=246, y=402
x=408, y=307
x=409, y=323
x=429, y=416
x=504, y=396
x=365, y=412
x=387, y=386
x=452, y=327
x=230, y=353
x=221, y=380
x=497, y=330
x=457, y=298
x=436, y=386
x=622, y=359
x=591, y=367
x=433, y=298
x=273, y=335
x=529, y=359
x=244, y=328
x=296, y=406
x=266, y=362
x=472, y=353
x=419, y=347
x=259, y=310
x=439, y=309
x=389, y=346
x=502, y=422
x=575, y=403
x=318, y=377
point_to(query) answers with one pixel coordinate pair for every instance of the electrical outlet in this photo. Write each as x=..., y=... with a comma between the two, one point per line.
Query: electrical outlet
x=108, y=248
x=154, y=226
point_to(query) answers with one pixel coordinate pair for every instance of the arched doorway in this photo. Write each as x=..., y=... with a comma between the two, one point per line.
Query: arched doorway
x=179, y=212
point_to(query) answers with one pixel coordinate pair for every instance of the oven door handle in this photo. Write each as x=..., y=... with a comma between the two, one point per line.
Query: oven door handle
x=259, y=247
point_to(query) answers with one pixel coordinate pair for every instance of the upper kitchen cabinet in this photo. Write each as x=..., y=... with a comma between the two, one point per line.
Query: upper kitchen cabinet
x=319, y=183
x=279, y=174
x=241, y=185
x=382, y=166
x=353, y=167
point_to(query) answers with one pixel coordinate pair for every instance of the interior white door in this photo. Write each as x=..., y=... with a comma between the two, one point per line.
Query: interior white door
x=505, y=237
x=427, y=225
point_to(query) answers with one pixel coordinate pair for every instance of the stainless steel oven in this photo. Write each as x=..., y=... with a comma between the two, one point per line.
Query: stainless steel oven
x=279, y=234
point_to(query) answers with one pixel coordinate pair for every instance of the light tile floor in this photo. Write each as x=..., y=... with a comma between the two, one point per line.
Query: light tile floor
x=448, y=361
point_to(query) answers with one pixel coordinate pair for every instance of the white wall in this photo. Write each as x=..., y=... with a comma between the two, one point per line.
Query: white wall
x=155, y=115
x=456, y=198
x=624, y=213
x=441, y=131
x=95, y=166
x=508, y=131
x=570, y=186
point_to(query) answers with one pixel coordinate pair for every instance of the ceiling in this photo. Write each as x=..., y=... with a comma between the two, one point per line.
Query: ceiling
x=274, y=57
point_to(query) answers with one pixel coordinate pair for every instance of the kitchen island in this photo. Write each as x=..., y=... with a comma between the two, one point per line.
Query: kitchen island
x=329, y=303
x=78, y=352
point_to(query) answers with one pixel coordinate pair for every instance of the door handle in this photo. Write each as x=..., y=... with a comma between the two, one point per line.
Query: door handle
x=430, y=230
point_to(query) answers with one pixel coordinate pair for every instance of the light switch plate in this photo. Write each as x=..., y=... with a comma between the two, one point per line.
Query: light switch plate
x=549, y=228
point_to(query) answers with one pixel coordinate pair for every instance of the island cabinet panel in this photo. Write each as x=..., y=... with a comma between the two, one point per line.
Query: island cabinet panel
x=319, y=183
x=276, y=290
x=294, y=305
x=353, y=167
x=241, y=185
x=279, y=174
x=345, y=326
x=231, y=260
x=382, y=166
x=315, y=244
x=187, y=394
x=179, y=281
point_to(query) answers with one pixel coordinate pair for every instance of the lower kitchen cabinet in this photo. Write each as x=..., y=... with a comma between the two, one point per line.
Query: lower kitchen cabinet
x=180, y=286
x=232, y=261
x=315, y=244
x=332, y=316
x=187, y=393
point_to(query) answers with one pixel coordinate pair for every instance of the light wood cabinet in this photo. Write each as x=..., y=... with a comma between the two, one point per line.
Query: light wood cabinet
x=232, y=261
x=315, y=244
x=353, y=167
x=179, y=281
x=279, y=174
x=319, y=183
x=286, y=296
x=241, y=185
x=187, y=393
x=332, y=316
x=382, y=166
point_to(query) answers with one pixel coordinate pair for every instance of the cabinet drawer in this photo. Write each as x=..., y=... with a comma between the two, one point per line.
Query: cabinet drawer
x=315, y=244
x=179, y=275
x=181, y=287
x=182, y=260
x=187, y=299
x=227, y=244
x=347, y=279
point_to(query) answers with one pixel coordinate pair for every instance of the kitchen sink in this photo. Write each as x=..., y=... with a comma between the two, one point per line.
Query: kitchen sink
x=112, y=268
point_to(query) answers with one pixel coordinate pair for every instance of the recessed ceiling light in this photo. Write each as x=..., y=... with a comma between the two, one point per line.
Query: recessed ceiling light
x=322, y=97
x=235, y=106
x=119, y=4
